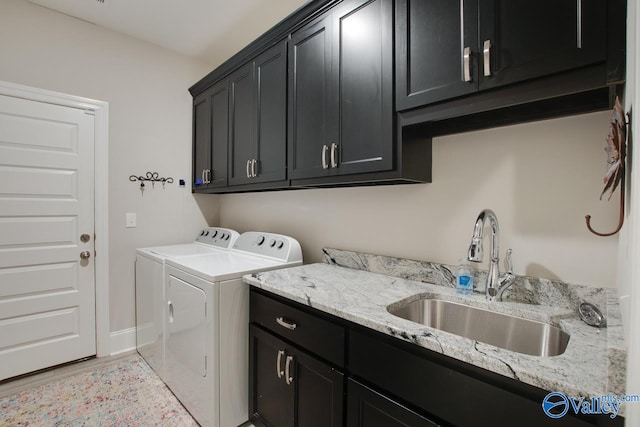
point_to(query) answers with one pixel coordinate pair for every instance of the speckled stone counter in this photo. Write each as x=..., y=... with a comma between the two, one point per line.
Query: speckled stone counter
x=592, y=365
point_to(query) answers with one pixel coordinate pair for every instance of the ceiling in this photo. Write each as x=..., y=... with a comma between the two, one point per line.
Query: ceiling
x=209, y=30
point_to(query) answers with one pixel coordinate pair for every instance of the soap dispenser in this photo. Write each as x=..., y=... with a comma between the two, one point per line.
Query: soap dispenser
x=464, y=278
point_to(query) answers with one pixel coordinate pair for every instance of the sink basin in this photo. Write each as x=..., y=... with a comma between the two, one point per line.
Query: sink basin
x=498, y=329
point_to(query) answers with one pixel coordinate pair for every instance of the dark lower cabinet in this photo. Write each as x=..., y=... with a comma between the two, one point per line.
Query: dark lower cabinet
x=368, y=408
x=290, y=388
x=380, y=380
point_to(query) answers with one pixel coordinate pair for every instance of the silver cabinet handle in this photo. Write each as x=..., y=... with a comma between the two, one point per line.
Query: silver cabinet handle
x=279, y=370
x=253, y=168
x=280, y=321
x=334, y=155
x=248, y=173
x=208, y=175
x=467, y=64
x=287, y=366
x=324, y=157
x=486, y=53
x=204, y=177
x=85, y=255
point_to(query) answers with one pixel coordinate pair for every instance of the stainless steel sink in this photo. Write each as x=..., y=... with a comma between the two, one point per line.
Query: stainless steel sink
x=502, y=330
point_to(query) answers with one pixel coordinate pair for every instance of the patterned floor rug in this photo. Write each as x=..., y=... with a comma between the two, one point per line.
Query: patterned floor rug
x=125, y=393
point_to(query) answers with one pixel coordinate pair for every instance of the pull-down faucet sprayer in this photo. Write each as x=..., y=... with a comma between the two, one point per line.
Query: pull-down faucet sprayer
x=496, y=283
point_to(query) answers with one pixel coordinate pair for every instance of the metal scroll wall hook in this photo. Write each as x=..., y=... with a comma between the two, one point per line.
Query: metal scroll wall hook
x=626, y=145
x=150, y=176
x=587, y=218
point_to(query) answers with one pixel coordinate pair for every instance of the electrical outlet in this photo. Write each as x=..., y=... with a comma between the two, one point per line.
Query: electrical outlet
x=131, y=220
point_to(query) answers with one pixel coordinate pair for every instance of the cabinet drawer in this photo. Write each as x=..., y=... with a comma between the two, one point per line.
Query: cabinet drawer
x=315, y=334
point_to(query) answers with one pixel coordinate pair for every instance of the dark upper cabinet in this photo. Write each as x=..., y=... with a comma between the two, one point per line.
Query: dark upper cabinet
x=271, y=114
x=257, y=119
x=450, y=49
x=210, y=125
x=521, y=39
x=241, y=124
x=435, y=41
x=341, y=92
x=312, y=121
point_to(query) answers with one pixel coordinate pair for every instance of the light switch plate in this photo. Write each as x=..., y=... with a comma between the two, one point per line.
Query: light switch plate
x=131, y=220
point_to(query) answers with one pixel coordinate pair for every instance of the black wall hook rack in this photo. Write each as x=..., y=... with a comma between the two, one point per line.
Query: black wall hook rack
x=153, y=177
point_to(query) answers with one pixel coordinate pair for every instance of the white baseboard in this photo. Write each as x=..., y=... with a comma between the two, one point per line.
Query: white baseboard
x=122, y=341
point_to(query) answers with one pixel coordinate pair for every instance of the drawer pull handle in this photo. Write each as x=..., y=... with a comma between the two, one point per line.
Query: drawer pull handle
x=279, y=370
x=286, y=324
x=287, y=366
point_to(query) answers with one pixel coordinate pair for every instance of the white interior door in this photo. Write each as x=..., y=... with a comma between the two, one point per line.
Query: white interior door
x=47, y=284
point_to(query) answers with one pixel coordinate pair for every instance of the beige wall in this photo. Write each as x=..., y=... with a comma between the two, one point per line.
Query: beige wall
x=540, y=179
x=149, y=128
x=544, y=177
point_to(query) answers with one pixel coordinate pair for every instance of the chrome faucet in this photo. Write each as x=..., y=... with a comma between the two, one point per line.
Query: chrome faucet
x=496, y=283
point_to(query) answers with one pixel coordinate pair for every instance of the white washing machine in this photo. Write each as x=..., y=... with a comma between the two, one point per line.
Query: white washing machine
x=208, y=322
x=150, y=294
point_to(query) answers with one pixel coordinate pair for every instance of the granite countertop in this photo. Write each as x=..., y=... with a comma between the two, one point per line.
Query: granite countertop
x=592, y=365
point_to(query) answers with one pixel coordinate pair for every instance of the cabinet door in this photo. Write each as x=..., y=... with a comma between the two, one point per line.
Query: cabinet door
x=431, y=38
x=219, y=101
x=319, y=392
x=241, y=124
x=271, y=114
x=271, y=399
x=210, y=139
x=201, y=139
x=312, y=115
x=536, y=38
x=367, y=408
x=363, y=72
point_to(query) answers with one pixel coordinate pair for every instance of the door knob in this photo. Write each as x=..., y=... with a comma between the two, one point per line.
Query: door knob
x=85, y=255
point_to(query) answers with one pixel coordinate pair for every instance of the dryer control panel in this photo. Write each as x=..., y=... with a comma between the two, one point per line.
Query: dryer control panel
x=276, y=246
x=218, y=236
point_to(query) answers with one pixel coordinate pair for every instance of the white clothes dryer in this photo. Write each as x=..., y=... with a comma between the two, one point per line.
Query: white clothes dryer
x=150, y=295
x=208, y=323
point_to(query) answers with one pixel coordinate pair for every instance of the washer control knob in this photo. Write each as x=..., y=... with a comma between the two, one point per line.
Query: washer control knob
x=260, y=240
x=272, y=242
x=215, y=233
x=227, y=237
x=280, y=244
x=206, y=234
x=202, y=233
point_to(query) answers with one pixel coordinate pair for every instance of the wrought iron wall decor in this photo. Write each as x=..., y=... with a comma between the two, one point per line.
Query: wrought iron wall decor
x=153, y=177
